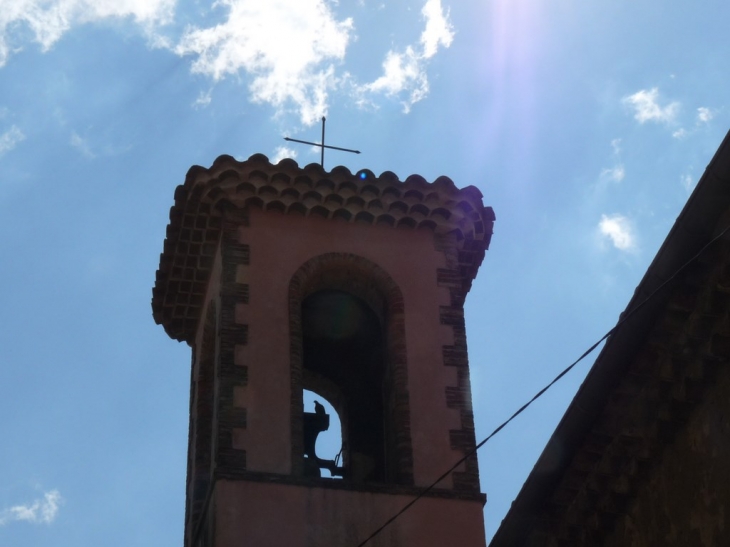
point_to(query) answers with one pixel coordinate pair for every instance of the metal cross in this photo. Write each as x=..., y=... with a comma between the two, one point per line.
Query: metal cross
x=322, y=145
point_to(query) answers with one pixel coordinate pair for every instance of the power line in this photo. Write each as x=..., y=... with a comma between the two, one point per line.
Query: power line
x=471, y=452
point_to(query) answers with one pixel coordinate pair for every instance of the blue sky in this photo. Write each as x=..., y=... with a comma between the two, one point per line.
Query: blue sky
x=584, y=124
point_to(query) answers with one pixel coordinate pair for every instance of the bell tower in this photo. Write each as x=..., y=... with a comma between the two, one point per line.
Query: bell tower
x=284, y=279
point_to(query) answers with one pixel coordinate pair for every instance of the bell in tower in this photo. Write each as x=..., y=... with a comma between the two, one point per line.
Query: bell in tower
x=350, y=286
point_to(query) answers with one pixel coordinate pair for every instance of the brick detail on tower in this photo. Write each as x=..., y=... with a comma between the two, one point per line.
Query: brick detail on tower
x=458, y=397
x=229, y=374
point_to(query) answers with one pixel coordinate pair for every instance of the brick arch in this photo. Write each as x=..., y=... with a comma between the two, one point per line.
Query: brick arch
x=372, y=284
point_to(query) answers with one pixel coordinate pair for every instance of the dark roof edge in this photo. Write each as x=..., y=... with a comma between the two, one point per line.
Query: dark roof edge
x=694, y=228
x=208, y=194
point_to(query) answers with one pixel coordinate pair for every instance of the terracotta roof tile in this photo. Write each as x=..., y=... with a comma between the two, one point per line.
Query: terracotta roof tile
x=362, y=197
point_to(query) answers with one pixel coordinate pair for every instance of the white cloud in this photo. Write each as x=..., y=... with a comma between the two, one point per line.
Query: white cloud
x=614, y=174
x=405, y=73
x=438, y=31
x=402, y=72
x=82, y=145
x=647, y=108
x=48, y=20
x=287, y=47
x=704, y=114
x=688, y=182
x=618, y=229
x=291, y=52
x=10, y=139
x=616, y=146
x=203, y=99
x=282, y=152
x=617, y=173
x=39, y=511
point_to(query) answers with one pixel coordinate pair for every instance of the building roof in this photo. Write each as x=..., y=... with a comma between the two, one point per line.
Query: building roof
x=648, y=377
x=229, y=186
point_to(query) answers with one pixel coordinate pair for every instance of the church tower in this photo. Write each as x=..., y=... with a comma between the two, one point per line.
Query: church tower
x=284, y=279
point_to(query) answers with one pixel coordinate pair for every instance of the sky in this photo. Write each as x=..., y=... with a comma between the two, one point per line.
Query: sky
x=585, y=125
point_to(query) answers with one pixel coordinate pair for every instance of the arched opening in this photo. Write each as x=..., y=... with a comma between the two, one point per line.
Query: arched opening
x=344, y=354
x=347, y=336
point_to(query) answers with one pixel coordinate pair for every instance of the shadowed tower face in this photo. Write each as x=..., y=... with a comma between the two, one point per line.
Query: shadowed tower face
x=284, y=279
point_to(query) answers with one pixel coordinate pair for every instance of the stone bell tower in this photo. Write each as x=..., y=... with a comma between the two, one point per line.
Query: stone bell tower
x=352, y=286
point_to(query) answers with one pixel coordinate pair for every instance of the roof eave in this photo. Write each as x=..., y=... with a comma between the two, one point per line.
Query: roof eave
x=693, y=229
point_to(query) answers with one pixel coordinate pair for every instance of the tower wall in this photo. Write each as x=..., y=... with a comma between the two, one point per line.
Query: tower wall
x=279, y=245
x=307, y=516
x=248, y=243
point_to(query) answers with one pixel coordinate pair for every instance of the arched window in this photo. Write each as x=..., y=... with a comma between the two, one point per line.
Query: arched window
x=343, y=346
x=348, y=346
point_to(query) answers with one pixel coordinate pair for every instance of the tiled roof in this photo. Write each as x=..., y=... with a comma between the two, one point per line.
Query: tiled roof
x=230, y=185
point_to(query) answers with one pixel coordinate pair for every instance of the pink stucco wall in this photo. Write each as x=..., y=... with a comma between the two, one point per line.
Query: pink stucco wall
x=274, y=515
x=279, y=245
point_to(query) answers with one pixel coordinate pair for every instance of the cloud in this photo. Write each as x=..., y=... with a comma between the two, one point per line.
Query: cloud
x=688, y=182
x=81, y=145
x=618, y=229
x=405, y=72
x=616, y=146
x=48, y=20
x=402, y=72
x=438, y=31
x=614, y=174
x=282, y=152
x=704, y=114
x=291, y=53
x=203, y=99
x=287, y=47
x=617, y=173
x=646, y=107
x=10, y=139
x=39, y=511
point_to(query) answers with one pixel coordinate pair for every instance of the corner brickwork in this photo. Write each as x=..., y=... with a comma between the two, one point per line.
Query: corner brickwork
x=458, y=397
x=229, y=374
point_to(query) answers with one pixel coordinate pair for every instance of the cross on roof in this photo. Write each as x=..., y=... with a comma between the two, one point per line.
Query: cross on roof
x=322, y=145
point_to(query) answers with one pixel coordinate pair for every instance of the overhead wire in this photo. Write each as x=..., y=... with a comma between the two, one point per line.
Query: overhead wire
x=565, y=371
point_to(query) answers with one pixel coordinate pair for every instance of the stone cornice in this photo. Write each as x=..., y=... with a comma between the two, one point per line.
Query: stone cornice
x=230, y=187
